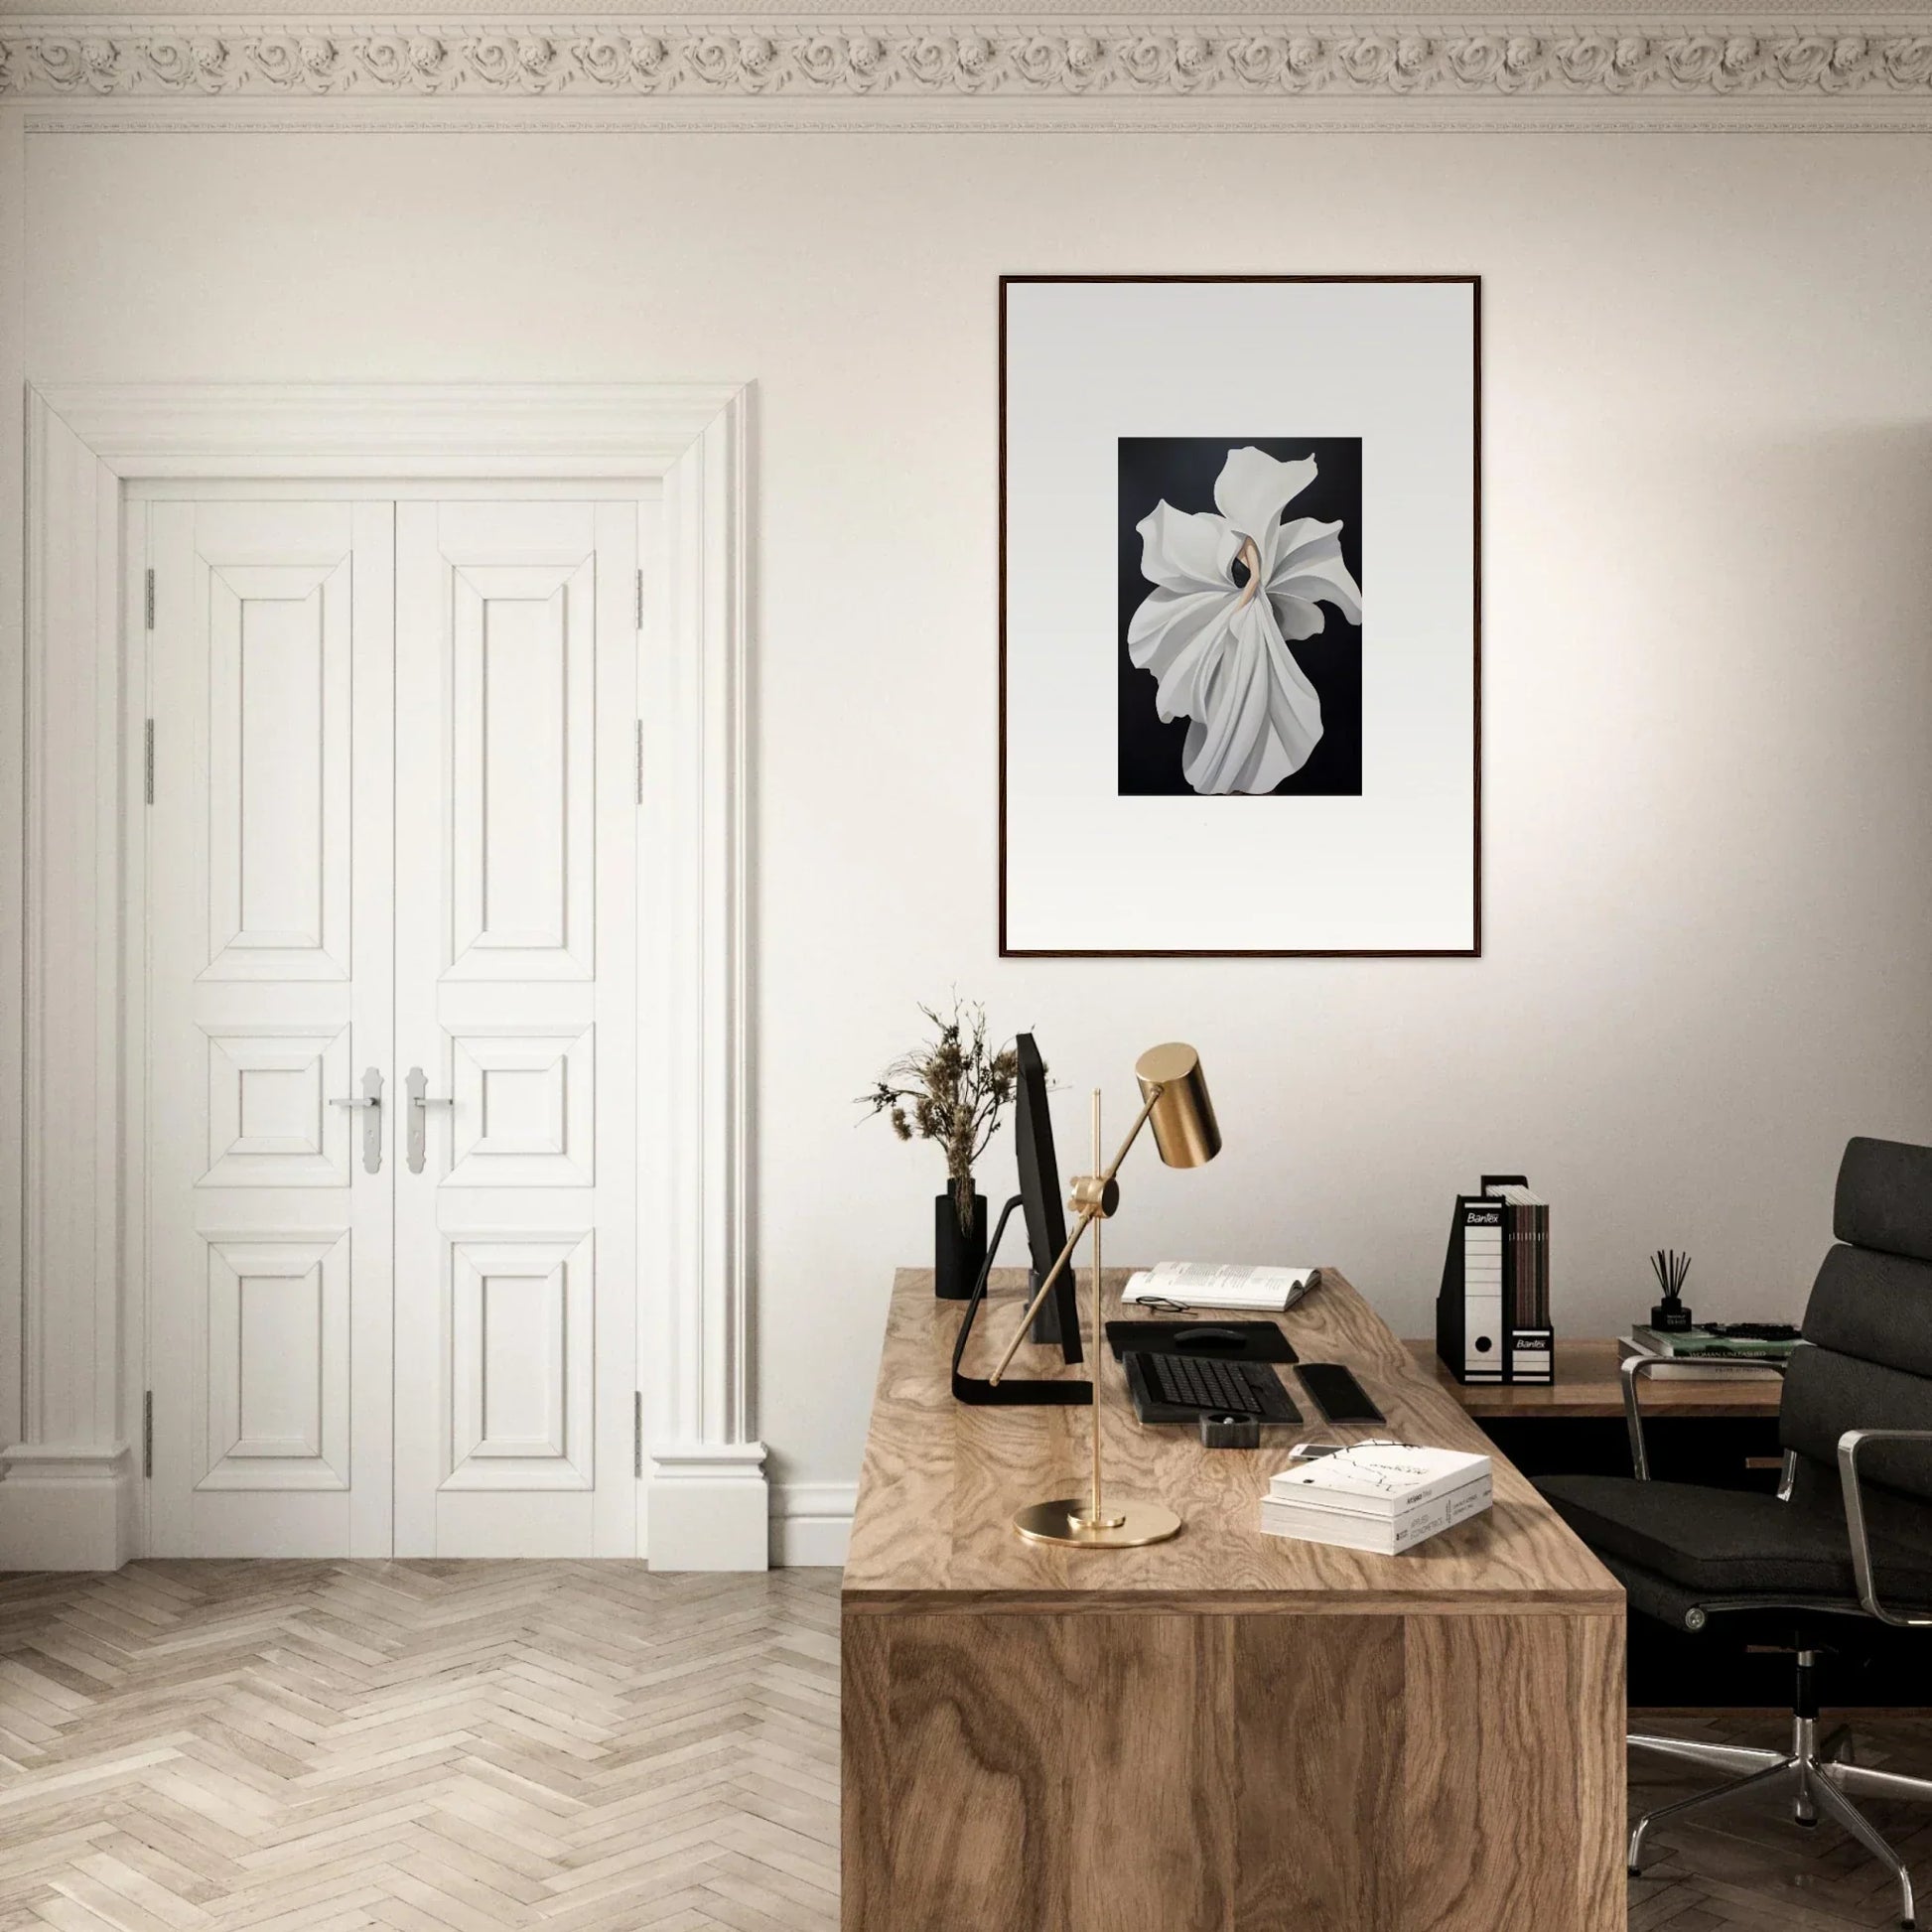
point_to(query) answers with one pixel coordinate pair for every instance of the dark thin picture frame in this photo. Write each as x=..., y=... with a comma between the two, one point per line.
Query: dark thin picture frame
x=1471, y=951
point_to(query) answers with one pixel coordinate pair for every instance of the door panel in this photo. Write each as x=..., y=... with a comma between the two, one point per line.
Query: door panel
x=515, y=967
x=279, y=770
x=278, y=1393
x=524, y=1113
x=521, y=654
x=520, y=1357
x=270, y=985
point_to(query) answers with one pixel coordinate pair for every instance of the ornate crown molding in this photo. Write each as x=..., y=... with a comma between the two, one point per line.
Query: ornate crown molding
x=791, y=65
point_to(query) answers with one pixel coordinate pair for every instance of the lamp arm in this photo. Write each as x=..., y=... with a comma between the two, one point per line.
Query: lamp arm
x=1089, y=1216
x=1133, y=1133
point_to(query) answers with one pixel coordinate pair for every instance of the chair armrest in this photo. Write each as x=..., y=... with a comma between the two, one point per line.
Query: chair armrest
x=1849, y=1446
x=1634, y=1367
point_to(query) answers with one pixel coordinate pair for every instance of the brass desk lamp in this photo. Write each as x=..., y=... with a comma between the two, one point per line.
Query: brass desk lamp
x=1175, y=1102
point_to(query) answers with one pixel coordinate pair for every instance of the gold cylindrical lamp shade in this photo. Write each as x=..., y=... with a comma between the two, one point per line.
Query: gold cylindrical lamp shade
x=1183, y=1115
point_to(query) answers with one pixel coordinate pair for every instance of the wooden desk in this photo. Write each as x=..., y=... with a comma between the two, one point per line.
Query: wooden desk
x=1227, y=1731
x=1587, y=1385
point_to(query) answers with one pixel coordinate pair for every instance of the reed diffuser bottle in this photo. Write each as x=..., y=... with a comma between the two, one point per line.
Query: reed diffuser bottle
x=1669, y=1317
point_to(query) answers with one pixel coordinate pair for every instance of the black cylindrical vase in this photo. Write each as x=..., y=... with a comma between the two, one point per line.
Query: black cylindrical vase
x=957, y=1256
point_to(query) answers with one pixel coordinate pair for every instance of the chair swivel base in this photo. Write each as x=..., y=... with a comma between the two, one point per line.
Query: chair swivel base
x=1820, y=1774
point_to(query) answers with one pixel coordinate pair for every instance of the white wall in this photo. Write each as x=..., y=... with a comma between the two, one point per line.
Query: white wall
x=1708, y=754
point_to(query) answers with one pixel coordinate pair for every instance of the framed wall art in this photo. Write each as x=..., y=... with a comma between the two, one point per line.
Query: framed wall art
x=1240, y=614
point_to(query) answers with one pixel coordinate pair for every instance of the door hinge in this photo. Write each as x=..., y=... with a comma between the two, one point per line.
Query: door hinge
x=637, y=1433
x=147, y=1434
x=147, y=761
x=640, y=760
x=150, y=599
x=640, y=599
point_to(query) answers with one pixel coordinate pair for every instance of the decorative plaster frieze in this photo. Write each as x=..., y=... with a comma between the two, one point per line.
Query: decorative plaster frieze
x=953, y=62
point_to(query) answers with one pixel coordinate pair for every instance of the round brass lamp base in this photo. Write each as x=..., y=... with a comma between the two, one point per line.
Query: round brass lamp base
x=1130, y=1526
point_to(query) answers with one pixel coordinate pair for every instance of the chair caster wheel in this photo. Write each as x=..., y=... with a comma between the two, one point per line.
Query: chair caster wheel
x=1633, y=1872
x=1809, y=1824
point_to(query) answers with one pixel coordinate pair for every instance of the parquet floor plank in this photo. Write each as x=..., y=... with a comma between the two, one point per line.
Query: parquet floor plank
x=413, y=1747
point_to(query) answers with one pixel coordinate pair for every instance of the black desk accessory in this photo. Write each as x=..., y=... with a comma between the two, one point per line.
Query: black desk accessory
x=1336, y=1393
x=1228, y=1341
x=1182, y=1388
x=1230, y=1431
x=1009, y=1391
x=1058, y=1319
x=1039, y=1201
x=1669, y=1317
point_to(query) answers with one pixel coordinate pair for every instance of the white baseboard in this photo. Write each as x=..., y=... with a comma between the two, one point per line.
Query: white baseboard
x=70, y=1509
x=67, y=1509
x=811, y=1523
x=709, y=1509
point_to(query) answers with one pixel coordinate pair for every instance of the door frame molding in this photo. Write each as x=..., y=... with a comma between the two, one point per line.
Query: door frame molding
x=73, y=1347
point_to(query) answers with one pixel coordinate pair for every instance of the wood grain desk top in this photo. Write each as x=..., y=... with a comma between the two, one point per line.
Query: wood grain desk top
x=1588, y=1384
x=942, y=1479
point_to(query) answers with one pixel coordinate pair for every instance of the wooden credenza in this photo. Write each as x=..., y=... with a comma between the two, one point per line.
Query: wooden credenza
x=1226, y=1732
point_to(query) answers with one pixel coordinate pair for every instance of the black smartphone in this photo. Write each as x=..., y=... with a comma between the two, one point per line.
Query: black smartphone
x=1338, y=1394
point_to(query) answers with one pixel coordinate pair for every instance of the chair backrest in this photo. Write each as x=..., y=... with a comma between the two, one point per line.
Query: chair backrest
x=1869, y=1326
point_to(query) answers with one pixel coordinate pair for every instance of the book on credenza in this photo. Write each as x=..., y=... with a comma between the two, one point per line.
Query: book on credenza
x=1380, y=1497
x=1696, y=1364
x=1213, y=1285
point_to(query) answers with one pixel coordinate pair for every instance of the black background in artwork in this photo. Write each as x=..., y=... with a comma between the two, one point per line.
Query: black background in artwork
x=1182, y=471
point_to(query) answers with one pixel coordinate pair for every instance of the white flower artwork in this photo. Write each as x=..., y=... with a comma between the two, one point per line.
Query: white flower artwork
x=1206, y=750
x=1218, y=645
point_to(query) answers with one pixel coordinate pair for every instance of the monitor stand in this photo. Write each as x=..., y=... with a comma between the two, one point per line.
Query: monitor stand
x=1011, y=1391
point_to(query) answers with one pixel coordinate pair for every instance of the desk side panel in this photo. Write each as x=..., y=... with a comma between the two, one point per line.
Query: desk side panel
x=1150, y=1772
x=867, y=1807
x=1319, y=1722
x=1513, y=1772
x=1038, y=1773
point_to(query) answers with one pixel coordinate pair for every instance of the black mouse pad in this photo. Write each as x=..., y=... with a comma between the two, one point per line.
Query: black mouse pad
x=1222, y=1341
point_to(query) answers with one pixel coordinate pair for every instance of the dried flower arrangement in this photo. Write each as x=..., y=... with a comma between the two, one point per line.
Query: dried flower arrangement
x=952, y=1090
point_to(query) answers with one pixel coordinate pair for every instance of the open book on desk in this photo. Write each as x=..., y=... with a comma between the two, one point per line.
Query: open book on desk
x=1211, y=1284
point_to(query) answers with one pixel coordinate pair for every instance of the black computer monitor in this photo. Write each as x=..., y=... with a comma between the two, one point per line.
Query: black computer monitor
x=1040, y=1197
x=1039, y=1200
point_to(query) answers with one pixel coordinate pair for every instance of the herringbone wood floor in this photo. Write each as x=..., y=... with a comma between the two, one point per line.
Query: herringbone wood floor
x=428, y=1746
x=466, y=1747
x=1747, y=1865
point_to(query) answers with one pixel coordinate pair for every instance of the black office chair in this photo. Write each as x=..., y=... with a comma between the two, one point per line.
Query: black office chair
x=1847, y=1539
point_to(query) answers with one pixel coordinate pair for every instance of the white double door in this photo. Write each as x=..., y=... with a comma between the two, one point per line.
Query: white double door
x=390, y=1133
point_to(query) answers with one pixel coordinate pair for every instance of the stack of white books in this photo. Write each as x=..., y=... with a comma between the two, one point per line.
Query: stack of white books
x=1211, y=1285
x=1379, y=1496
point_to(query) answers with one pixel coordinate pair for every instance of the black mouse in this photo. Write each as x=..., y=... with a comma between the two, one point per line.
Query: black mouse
x=1208, y=1337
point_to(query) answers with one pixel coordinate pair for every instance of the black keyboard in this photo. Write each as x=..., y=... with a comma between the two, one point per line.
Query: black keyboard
x=1191, y=1386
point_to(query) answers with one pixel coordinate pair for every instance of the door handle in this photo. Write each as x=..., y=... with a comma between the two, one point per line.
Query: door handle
x=370, y=1099
x=421, y=1100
